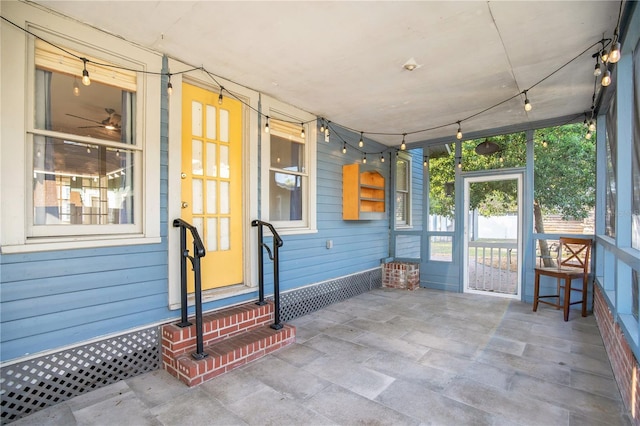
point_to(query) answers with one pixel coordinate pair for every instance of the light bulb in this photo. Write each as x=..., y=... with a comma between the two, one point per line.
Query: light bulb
x=459, y=165
x=597, y=71
x=424, y=162
x=85, y=77
x=588, y=135
x=169, y=88
x=220, y=97
x=403, y=145
x=527, y=104
x=266, y=126
x=459, y=134
x=544, y=144
x=322, y=125
x=344, y=148
x=361, y=143
x=614, y=54
x=382, y=158
x=501, y=159
x=364, y=160
x=88, y=150
x=592, y=126
x=606, y=78
x=76, y=88
x=302, y=130
x=604, y=55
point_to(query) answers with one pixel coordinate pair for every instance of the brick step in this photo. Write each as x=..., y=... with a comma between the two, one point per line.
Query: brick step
x=230, y=353
x=216, y=326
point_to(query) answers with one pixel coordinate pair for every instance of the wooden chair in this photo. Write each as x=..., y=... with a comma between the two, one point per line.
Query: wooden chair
x=573, y=263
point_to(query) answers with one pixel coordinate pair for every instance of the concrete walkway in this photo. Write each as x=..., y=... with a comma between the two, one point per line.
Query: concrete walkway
x=391, y=357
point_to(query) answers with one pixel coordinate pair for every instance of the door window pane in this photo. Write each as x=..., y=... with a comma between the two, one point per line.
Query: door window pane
x=225, y=234
x=212, y=165
x=211, y=122
x=196, y=118
x=197, y=195
x=225, y=171
x=211, y=196
x=224, y=125
x=212, y=234
x=225, y=198
x=196, y=157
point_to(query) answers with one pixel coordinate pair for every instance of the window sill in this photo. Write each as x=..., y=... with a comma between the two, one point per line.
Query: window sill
x=68, y=243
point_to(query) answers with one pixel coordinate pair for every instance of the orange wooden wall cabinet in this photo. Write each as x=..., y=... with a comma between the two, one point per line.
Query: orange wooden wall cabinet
x=363, y=193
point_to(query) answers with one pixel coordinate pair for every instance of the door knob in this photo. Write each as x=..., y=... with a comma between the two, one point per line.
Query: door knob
x=185, y=204
x=183, y=175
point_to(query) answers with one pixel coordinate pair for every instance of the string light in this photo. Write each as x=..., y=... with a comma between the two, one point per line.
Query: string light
x=76, y=88
x=588, y=135
x=344, y=147
x=364, y=159
x=220, y=97
x=266, y=125
x=169, y=86
x=322, y=125
x=403, y=145
x=382, y=158
x=592, y=126
x=527, y=104
x=85, y=74
x=459, y=161
x=459, y=133
x=361, y=143
x=597, y=71
x=606, y=78
x=424, y=161
x=302, y=130
x=614, y=53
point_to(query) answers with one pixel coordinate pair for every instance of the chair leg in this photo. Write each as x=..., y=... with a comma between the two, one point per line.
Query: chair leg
x=567, y=298
x=585, y=284
x=558, y=281
x=536, y=292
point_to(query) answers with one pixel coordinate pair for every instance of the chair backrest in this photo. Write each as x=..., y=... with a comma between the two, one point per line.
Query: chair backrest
x=574, y=253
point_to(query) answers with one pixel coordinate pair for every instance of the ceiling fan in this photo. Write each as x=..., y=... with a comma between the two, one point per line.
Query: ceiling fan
x=112, y=122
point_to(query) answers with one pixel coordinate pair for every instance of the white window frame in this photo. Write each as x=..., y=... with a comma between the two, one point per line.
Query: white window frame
x=17, y=99
x=281, y=111
x=407, y=222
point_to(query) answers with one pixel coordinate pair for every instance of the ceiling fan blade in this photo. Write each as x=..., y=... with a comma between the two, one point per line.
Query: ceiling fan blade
x=83, y=118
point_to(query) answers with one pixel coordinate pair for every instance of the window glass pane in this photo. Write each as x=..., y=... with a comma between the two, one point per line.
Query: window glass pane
x=285, y=196
x=211, y=122
x=211, y=196
x=212, y=234
x=408, y=246
x=441, y=201
x=212, y=164
x=286, y=154
x=100, y=111
x=225, y=198
x=610, y=175
x=196, y=157
x=225, y=232
x=224, y=125
x=197, y=196
x=635, y=216
x=564, y=181
x=196, y=118
x=224, y=162
x=402, y=175
x=401, y=208
x=77, y=183
x=441, y=248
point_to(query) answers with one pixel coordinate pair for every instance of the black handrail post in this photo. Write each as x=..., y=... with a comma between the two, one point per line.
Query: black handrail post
x=184, y=253
x=276, y=285
x=260, y=301
x=198, y=295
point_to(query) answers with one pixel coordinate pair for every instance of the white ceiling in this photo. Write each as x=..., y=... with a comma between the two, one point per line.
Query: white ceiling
x=343, y=60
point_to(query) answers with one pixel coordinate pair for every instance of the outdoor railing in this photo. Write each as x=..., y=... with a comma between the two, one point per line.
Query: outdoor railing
x=198, y=252
x=277, y=243
x=493, y=266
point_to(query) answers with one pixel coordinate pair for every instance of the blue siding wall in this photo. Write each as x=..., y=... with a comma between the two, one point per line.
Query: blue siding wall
x=357, y=245
x=54, y=299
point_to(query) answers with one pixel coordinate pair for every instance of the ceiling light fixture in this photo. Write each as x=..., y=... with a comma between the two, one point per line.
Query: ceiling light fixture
x=411, y=64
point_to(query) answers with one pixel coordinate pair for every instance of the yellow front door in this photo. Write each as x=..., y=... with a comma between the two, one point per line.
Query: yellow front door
x=212, y=182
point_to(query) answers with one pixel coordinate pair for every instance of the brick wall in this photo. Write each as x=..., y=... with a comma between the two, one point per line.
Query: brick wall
x=623, y=362
x=405, y=275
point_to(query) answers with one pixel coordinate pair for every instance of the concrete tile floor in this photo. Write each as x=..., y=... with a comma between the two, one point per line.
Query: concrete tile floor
x=392, y=357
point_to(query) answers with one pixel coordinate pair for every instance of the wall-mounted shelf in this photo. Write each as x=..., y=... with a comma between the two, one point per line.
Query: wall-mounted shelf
x=363, y=194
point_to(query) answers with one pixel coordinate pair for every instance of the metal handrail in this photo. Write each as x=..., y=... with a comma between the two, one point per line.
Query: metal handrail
x=198, y=252
x=277, y=243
